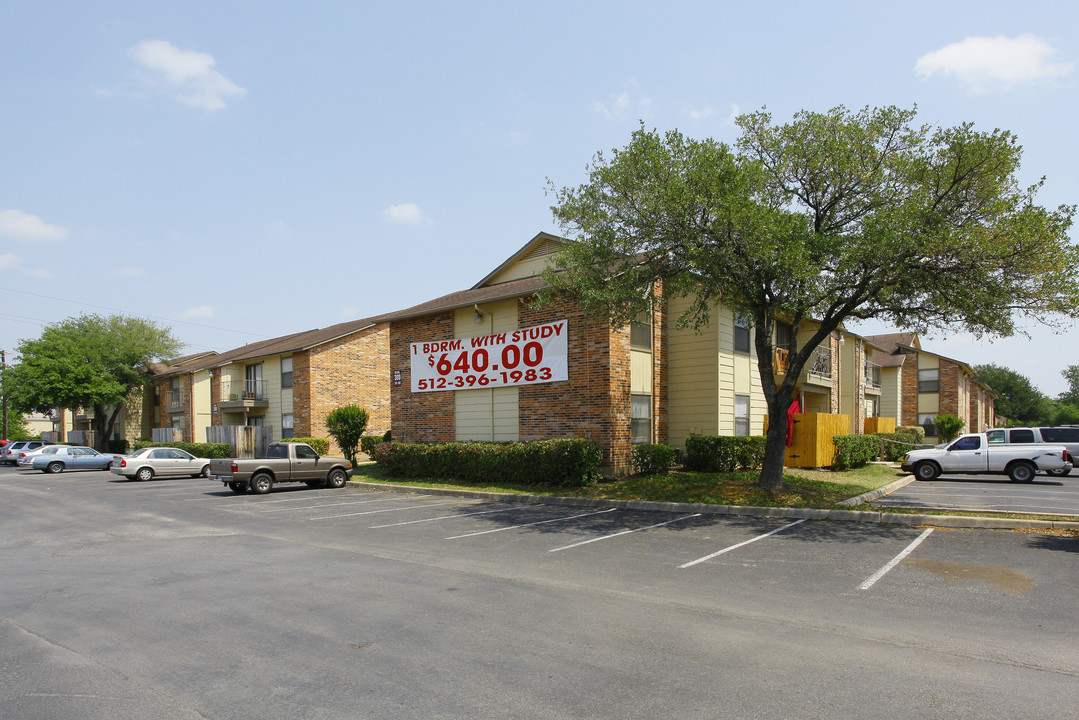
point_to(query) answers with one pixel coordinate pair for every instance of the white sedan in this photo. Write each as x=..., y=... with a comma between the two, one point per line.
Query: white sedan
x=147, y=463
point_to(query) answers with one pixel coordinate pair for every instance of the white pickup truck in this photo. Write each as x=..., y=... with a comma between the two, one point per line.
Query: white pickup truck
x=974, y=454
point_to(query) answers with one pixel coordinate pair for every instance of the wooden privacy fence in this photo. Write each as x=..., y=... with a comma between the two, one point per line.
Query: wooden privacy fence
x=812, y=445
x=166, y=435
x=246, y=440
x=879, y=425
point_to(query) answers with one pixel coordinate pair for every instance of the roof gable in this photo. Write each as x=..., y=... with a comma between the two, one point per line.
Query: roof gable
x=527, y=262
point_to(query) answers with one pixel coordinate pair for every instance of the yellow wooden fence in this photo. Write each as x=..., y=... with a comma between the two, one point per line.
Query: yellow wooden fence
x=879, y=425
x=812, y=445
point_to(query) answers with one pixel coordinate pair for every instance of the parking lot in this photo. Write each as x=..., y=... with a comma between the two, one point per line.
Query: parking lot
x=178, y=598
x=1047, y=495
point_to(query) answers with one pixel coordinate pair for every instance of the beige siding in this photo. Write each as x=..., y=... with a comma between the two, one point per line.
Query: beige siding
x=640, y=372
x=889, y=394
x=200, y=404
x=693, y=362
x=486, y=414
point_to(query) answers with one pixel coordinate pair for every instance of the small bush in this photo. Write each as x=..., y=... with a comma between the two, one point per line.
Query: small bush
x=211, y=451
x=948, y=426
x=854, y=451
x=560, y=463
x=917, y=430
x=723, y=453
x=368, y=444
x=346, y=425
x=653, y=459
x=319, y=445
x=896, y=445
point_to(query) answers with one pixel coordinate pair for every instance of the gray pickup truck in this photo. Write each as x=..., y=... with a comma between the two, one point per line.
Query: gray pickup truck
x=284, y=462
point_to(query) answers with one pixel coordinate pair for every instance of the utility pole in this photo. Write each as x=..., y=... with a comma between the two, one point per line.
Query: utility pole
x=3, y=389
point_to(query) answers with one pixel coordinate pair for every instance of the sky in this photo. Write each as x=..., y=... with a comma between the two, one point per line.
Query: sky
x=244, y=170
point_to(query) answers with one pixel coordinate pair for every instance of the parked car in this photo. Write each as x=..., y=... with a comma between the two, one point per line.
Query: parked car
x=284, y=462
x=10, y=454
x=26, y=457
x=151, y=462
x=974, y=454
x=1066, y=436
x=57, y=458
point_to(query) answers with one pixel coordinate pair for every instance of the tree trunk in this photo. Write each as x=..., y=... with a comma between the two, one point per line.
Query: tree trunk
x=775, y=447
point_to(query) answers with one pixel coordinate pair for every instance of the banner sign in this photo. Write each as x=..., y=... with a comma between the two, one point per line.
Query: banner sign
x=528, y=356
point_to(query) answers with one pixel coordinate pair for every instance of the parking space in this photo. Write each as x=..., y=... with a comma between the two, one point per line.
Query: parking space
x=1047, y=495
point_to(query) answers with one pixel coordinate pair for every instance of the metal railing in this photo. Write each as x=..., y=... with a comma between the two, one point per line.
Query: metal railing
x=232, y=390
x=872, y=375
x=820, y=363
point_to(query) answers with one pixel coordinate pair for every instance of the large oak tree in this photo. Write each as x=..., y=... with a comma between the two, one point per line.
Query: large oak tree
x=88, y=362
x=831, y=217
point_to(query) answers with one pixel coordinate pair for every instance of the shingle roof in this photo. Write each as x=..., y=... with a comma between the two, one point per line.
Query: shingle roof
x=467, y=298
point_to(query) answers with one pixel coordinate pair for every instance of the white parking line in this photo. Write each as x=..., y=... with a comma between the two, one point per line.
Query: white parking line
x=325, y=505
x=895, y=561
x=735, y=547
x=446, y=517
x=375, y=512
x=624, y=532
x=541, y=522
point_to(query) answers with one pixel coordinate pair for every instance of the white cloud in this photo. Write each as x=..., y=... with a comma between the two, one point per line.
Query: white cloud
x=10, y=261
x=188, y=74
x=405, y=214
x=22, y=226
x=202, y=311
x=980, y=62
x=630, y=101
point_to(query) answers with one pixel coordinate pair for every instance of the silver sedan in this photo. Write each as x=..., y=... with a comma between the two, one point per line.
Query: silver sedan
x=151, y=462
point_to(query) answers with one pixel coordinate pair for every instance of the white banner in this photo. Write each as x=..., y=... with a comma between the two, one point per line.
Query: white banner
x=528, y=356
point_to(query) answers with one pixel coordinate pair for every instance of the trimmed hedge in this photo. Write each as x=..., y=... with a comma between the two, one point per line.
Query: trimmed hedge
x=210, y=451
x=559, y=463
x=368, y=444
x=723, y=453
x=917, y=430
x=319, y=445
x=854, y=451
x=653, y=459
x=896, y=445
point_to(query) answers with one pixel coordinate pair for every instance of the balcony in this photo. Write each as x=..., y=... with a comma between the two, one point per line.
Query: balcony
x=872, y=377
x=175, y=402
x=782, y=361
x=819, y=367
x=242, y=395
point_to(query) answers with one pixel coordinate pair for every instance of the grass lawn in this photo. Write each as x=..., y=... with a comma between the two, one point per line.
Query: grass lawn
x=821, y=489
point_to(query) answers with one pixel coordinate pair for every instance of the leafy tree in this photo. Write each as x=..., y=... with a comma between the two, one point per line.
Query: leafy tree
x=17, y=428
x=1066, y=414
x=88, y=362
x=1017, y=398
x=834, y=216
x=1071, y=395
x=948, y=426
x=346, y=425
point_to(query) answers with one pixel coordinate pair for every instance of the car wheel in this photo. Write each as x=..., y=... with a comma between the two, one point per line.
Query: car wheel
x=337, y=478
x=238, y=488
x=926, y=471
x=144, y=474
x=1022, y=472
x=54, y=467
x=204, y=473
x=261, y=483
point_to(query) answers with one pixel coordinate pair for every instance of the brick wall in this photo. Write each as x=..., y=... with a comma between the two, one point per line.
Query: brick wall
x=909, y=391
x=353, y=370
x=426, y=416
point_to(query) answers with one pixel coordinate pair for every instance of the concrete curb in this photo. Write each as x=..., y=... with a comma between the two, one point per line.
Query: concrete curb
x=882, y=518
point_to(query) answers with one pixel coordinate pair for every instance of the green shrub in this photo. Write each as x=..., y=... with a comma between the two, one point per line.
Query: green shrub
x=346, y=425
x=854, y=451
x=117, y=447
x=653, y=459
x=896, y=445
x=368, y=443
x=559, y=463
x=319, y=445
x=723, y=453
x=917, y=430
x=211, y=451
x=948, y=426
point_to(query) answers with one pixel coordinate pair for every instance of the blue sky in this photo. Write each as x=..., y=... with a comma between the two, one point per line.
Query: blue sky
x=243, y=170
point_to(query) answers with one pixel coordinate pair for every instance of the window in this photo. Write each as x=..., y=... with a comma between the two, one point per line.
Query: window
x=305, y=453
x=1060, y=435
x=995, y=437
x=741, y=415
x=286, y=426
x=640, y=335
x=929, y=380
x=1022, y=436
x=972, y=442
x=741, y=334
x=286, y=372
x=784, y=335
x=640, y=413
x=928, y=421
